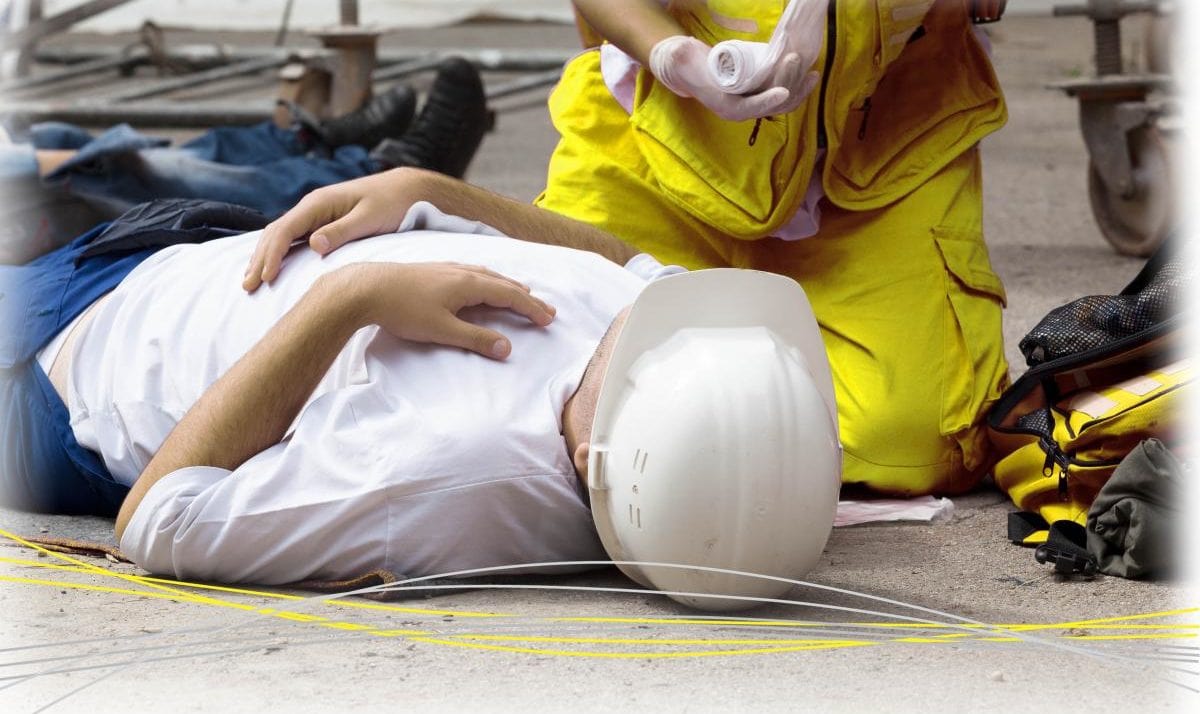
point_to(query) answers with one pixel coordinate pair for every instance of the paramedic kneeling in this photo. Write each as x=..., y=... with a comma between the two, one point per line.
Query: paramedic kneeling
x=854, y=170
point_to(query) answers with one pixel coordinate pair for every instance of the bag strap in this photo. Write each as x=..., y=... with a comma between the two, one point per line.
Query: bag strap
x=1023, y=524
x=1066, y=548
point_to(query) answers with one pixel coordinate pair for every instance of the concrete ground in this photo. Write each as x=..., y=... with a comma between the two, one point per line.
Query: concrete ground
x=88, y=635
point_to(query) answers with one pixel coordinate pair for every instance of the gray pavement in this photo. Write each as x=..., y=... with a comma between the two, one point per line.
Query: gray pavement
x=83, y=637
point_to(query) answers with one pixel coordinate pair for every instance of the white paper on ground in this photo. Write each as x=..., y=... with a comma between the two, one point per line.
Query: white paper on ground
x=925, y=508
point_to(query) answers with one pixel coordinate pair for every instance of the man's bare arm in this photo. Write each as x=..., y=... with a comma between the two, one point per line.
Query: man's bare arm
x=250, y=408
x=334, y=215
x=633, y=25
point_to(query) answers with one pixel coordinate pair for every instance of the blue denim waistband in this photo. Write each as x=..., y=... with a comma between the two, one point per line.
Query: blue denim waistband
x=43, y=467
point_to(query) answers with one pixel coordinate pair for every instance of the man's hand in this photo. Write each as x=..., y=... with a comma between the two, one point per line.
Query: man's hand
x=335, y=215
x=421, y=302
x=331, y=217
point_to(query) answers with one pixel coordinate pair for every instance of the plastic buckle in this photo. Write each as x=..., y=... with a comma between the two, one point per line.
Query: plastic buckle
x=1065, y=562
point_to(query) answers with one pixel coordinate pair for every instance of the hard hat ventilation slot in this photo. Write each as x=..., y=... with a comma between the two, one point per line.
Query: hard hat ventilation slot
x=639, y=461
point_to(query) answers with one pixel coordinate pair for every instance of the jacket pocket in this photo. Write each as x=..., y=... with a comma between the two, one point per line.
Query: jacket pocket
x=976, y=370
x=927, y=101
x=731, y=175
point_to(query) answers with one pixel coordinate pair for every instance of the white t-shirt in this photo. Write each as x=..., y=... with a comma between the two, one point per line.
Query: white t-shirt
x=416, y=458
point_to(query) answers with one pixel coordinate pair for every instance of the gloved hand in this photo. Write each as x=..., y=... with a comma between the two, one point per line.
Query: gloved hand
x=681, y=63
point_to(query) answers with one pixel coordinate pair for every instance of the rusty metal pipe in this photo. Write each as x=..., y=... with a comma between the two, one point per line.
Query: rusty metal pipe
x=486, y=58
x=77, y=70
x=349, y=12
x=198, y=78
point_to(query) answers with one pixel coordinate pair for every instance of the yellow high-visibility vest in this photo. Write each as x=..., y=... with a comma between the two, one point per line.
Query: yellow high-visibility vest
x=905, y=88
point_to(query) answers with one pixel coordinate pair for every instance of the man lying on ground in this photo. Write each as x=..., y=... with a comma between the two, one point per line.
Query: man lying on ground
x=339, y=421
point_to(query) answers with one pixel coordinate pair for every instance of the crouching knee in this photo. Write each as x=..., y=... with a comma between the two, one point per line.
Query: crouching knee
x=903, y=450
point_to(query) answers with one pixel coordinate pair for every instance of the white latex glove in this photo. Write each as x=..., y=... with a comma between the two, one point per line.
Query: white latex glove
x=741, y=67
x=681, y=64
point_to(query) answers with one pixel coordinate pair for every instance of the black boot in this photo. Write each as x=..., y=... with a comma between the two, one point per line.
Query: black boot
x=387, y=115
x=450, y=127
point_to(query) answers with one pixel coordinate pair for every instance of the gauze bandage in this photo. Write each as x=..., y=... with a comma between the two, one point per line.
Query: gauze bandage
x=680, y=63
x=740, y=67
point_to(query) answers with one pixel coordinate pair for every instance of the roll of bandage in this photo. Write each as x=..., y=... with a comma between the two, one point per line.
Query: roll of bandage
x=740, y=67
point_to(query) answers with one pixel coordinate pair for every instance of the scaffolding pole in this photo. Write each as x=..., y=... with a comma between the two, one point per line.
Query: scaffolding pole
x=160, y=114
x=196, y=79
x=500, y=60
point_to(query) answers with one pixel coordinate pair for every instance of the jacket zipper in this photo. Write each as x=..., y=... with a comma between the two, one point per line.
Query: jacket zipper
x=831, y=47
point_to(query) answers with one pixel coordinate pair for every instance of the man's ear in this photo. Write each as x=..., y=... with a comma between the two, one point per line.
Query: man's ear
x=580, y=459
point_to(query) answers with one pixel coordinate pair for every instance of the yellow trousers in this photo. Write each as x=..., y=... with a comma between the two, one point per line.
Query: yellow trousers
x=908, y=304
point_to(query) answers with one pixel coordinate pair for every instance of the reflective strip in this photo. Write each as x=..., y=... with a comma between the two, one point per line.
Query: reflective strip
x=1093, y=404
x=1176, y=367
x=1139, y=385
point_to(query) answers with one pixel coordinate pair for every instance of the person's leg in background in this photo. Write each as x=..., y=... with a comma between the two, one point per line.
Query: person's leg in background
x=910, y=310
x=261, y=167
x=265, y=167
x=35, y=218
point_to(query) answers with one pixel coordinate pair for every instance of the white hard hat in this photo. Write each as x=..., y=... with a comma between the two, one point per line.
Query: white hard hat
x=715, y=438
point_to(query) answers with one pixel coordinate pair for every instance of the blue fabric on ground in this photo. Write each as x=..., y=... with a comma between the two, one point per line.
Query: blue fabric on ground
x=57, y=135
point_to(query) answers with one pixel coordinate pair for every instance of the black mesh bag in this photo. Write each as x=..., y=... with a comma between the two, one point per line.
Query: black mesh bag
x=1148, y=304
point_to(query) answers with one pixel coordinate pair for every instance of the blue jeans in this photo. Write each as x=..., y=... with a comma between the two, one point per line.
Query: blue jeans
x=261, y=167
x=42, y=467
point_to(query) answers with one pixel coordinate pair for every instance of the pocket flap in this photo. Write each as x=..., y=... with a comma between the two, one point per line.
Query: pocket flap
x=967, y=260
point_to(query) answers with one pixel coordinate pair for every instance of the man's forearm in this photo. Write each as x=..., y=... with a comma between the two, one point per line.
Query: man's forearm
x=250, y=408
x=633, y=25
x=513, y=218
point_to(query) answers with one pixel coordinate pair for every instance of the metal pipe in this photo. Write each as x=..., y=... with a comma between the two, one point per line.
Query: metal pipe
x=73, y=71
x=1107, y=35
x=196, y=114
x=152, y=114
x=404, y=69
x=281, y=34
x=349, y=12
x=492, y=59
x=524, y=84
x=33, y=32
x=197, y=78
